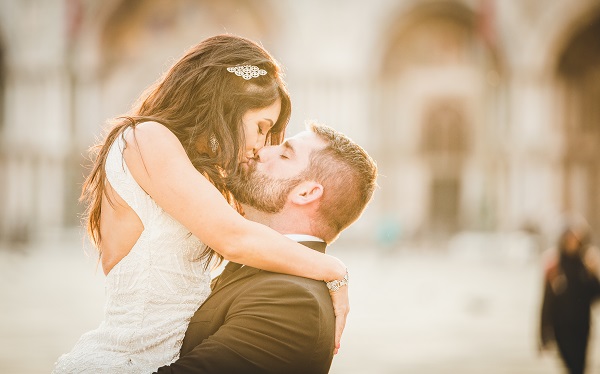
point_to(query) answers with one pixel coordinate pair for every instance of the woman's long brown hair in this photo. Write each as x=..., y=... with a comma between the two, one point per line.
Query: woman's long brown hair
x=198, y=97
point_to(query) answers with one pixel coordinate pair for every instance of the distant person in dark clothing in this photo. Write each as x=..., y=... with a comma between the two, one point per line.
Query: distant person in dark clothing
x=570, y=286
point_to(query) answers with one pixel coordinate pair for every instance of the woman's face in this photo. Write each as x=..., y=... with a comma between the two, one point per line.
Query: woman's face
x=257, y=124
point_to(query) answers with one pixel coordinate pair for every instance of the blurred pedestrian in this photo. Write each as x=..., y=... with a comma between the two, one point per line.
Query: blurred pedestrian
x=570, y=286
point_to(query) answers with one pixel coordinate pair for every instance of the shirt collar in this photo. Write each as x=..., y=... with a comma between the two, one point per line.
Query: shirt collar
x=303, y=238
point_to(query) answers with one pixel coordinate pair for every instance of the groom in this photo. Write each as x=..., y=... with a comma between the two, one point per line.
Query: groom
x=310, y=188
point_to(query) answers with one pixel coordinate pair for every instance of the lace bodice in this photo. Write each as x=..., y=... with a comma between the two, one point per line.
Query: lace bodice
x=151, y=294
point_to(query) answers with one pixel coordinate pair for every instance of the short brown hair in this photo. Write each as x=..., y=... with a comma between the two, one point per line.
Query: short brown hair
x=349, y=177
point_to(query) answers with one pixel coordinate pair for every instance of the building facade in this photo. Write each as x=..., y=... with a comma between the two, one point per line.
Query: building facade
x=482, y=114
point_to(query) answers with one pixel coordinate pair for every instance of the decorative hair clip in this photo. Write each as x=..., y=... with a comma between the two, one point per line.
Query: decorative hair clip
x=247, y=71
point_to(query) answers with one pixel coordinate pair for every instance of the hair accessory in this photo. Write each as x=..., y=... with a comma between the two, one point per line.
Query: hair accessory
x=247, y=71
x=335, y=285
x=213, y=142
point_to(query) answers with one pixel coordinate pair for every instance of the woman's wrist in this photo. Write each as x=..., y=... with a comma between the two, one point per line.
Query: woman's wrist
x=338, y=270
x=335, y=285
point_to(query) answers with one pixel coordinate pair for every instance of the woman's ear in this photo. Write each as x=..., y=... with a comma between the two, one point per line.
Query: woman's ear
x=307, y=192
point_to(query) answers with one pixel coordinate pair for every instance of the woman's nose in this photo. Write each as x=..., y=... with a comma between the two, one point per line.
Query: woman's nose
x=260, y=143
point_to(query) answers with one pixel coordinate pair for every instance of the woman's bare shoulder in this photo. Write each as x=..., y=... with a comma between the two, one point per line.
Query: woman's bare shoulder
x=151, y=134
x=153, y=149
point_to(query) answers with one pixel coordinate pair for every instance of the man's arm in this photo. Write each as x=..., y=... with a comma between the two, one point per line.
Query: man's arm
x=276, y=326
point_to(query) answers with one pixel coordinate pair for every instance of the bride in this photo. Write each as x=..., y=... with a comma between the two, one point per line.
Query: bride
x=160, y=214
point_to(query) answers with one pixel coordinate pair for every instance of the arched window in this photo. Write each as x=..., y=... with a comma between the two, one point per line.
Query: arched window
x=437, y=89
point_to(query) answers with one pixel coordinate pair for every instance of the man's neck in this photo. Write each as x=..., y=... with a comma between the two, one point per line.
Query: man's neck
x=284, y=222
x=258, y=216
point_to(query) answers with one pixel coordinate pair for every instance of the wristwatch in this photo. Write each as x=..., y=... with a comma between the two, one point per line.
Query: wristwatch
x=335, y=285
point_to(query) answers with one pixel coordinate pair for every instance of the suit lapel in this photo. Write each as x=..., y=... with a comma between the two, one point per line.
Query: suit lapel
x=228, y=279
x=230, y=268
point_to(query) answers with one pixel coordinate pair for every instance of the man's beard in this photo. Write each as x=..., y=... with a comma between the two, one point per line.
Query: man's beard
x=259, y=191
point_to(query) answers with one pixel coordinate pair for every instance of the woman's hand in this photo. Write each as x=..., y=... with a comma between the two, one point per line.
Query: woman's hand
x=341, y=308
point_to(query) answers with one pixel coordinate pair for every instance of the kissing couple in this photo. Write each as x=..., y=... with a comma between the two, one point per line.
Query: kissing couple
x=197, y=173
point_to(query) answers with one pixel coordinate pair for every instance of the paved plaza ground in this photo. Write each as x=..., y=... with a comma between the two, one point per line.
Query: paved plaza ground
x=413, y=311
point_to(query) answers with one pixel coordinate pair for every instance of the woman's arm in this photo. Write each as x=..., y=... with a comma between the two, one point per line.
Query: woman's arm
x=161, y=167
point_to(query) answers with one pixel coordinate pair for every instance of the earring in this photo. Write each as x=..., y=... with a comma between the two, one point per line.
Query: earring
x=213, y=143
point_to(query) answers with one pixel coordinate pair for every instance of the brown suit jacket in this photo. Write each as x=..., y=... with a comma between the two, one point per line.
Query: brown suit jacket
x=256, y=321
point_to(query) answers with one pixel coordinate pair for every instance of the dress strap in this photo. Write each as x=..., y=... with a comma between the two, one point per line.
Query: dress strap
x=124, y=184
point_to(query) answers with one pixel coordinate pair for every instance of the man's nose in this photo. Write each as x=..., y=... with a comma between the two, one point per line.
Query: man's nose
x=265, y=153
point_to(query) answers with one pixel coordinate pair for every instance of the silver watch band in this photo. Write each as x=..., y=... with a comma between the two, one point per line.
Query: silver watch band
x=335, y=285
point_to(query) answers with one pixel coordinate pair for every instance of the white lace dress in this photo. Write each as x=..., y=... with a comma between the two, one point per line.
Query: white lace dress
x=151, y=293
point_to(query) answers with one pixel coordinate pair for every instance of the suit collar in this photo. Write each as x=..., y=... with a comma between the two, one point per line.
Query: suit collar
x=316, y=245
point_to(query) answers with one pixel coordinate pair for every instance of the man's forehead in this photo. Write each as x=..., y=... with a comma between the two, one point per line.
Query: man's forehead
x=306, y=140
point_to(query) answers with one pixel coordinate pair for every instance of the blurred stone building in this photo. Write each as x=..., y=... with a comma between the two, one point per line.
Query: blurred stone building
x=483, y=115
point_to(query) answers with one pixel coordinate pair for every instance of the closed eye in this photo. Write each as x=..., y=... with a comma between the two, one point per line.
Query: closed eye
x=264, y=128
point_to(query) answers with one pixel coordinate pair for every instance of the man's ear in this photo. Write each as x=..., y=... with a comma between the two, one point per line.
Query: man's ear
x=307, y=192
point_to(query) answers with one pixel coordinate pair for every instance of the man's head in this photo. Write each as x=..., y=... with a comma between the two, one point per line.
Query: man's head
x=317, y=182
